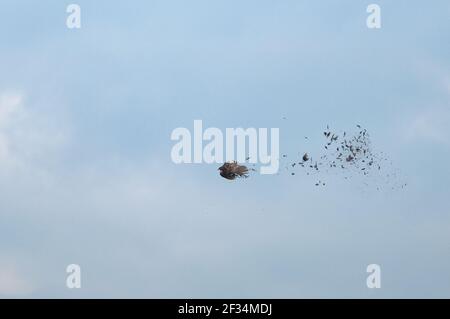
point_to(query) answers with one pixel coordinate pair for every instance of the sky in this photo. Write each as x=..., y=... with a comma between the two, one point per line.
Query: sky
x=86, y=175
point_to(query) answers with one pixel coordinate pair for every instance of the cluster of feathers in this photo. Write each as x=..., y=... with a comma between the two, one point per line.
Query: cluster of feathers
x=350, y=153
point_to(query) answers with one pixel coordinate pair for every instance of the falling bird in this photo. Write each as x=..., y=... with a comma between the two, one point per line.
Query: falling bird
x=231, y=170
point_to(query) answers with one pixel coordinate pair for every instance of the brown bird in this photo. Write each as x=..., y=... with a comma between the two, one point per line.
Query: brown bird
x=231, y=170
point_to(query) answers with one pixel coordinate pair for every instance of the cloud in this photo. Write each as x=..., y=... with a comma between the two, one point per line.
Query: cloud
x=10, y=106
x=431, y=121
x=9, y=103
x=430, y=125
x=27, y=137
x=447, y=84
x=12, y=283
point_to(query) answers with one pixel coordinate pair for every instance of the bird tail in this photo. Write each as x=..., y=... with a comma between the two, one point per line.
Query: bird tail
x=241, y=171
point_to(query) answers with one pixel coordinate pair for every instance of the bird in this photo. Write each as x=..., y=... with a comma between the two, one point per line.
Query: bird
x=231, y=170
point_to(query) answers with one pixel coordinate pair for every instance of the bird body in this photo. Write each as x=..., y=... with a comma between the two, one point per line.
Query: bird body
x=231, y=170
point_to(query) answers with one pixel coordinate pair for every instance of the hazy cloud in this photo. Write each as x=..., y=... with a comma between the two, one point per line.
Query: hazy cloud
x=12, y=282
x=430, y=125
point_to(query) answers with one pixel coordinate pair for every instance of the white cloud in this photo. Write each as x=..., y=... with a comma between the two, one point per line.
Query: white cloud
x=430, y=125
x=10, y=106
x=9, y=103
x=12, y=283
x=447, y=84
x=26, y=136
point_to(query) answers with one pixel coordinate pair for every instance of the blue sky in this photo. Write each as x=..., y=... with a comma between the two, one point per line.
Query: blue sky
x=85, y=169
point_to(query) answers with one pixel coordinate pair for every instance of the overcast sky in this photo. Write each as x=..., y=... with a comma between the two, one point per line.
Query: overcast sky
x=86, y=175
